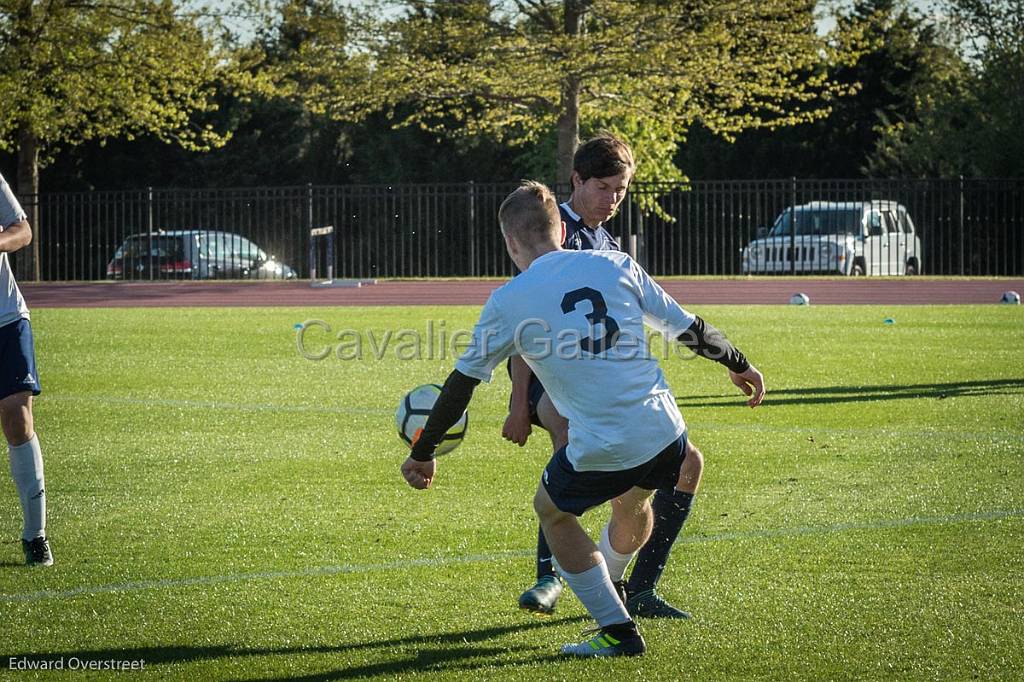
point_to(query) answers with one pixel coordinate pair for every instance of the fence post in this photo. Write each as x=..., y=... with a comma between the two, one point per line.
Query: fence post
x=313, y=256
x=149, y=230
x=960, y=213
x=309, y=205
x=37, y=253
x=471, y=191
x=792, y=225
x=624, y=237
x=638, y=241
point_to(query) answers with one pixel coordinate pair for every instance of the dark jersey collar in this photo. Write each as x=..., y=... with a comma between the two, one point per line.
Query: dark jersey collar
x=580, y=237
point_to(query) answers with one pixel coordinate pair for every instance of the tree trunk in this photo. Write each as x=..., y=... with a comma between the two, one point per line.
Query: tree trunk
x=569, y=115
x=568, y=128
x=28, y=195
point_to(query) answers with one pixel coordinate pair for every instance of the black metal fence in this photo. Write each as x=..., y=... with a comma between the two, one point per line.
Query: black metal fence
x=964, y=227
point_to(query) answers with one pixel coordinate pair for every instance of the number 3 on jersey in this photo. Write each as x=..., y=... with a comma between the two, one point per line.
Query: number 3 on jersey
x=599, y=315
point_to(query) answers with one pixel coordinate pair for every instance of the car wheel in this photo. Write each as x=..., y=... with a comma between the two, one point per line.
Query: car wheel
x=858, y=269
x=913, y=268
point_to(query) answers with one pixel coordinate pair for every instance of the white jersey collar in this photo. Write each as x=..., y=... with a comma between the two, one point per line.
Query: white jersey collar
x=572, y=214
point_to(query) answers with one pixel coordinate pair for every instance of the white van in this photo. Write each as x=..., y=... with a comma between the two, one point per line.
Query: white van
x=846, y=238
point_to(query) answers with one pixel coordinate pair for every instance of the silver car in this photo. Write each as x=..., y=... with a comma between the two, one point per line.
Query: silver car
x=837, y=237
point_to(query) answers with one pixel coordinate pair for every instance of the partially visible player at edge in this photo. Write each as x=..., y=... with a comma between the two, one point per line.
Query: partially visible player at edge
x=19, y=382
x=626, y=435
x=603, y=168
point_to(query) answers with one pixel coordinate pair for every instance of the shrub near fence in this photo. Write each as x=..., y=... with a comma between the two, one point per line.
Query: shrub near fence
x=966, y=226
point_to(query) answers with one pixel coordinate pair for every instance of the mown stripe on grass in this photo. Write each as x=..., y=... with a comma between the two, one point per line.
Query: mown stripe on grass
x=796, y=531
x=215, y=405
x=700, y=425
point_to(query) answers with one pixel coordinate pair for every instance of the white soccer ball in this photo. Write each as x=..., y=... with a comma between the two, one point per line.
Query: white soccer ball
x=1011, y=297
x=799, y=299
x=412, y=413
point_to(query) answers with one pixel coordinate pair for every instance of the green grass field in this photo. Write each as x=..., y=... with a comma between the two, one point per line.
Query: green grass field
x=222, y=508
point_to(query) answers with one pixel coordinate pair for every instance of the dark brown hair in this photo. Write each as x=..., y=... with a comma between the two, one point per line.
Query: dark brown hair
x=603, y=156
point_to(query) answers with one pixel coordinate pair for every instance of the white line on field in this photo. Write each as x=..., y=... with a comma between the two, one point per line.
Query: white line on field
x=404, y=564
x=697, y=425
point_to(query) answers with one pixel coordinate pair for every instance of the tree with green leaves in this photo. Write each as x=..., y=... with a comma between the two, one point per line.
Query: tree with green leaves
x=78, y=70
x=907, y=57
x=518, y=70
x=971, y=121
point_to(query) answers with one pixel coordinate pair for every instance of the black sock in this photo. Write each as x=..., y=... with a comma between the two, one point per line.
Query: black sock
x=622, y=630
x=544, y=566
x=671, y=507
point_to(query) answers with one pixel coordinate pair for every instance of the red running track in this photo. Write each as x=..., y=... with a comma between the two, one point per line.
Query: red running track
x=474, y=292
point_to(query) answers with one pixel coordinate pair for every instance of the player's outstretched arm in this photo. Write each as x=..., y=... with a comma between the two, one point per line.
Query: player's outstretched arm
x=419, y=468
x=708, y=342
x=665, y=314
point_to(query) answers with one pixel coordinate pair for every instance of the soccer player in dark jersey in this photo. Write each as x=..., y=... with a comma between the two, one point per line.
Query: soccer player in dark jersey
x=602, y=170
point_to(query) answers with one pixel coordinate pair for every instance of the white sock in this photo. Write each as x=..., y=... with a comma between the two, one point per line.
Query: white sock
x=27, y=471
x=595, y=590
x=617, y=563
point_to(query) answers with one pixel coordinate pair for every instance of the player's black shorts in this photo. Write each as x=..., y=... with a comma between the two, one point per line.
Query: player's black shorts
x=17, y=360
x=574, y=492
x=533, y=394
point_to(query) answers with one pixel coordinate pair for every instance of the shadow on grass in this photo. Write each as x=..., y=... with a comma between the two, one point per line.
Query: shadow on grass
x=436, y=653
x=857, y=394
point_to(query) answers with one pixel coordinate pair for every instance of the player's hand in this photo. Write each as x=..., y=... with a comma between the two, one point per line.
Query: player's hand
x=517, y=427
x=751, y=383
x=418, y=474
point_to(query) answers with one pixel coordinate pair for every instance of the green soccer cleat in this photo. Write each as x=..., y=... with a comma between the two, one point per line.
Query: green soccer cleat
x=37, y=552
x=621, y=639
x=542, y=597
x=649, y=604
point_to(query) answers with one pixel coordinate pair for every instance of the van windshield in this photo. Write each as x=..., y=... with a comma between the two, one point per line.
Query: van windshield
x=145, y=246
x=818, y=221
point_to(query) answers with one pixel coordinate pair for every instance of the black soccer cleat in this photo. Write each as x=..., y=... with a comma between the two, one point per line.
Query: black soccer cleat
x=649, y=604
x=37, y=552
x=542, y=597
x=621, y=639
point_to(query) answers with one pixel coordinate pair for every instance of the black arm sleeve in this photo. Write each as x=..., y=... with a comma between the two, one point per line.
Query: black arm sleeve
x=455, y=396
x=708, y=342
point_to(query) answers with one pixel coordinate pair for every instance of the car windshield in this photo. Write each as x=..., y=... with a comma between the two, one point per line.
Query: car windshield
x=818, y=221
x=145, y=246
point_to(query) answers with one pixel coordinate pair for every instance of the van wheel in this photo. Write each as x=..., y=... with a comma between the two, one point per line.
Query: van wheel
x=913, y=268
x=858, y=268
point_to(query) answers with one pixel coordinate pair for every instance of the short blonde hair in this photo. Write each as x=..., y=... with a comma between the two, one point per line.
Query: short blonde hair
x=530, y=214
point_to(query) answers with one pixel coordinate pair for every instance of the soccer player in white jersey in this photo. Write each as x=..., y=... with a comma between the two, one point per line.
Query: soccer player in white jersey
x=577, y=318
x=19, y=382
x=603, y=168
